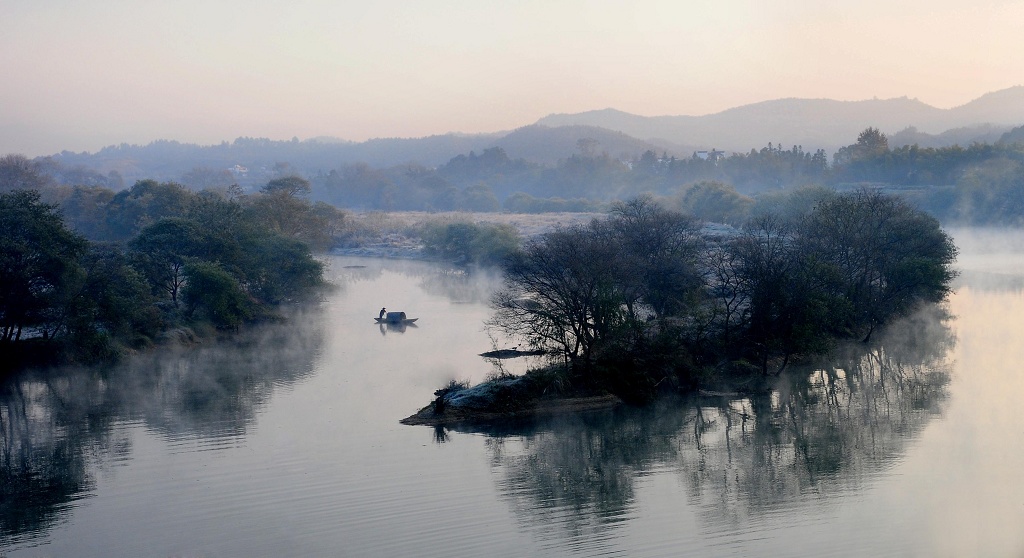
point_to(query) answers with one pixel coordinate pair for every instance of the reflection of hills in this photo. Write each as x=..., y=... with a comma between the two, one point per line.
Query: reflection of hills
x=345, y=270
x=458, y=284
x=462, y=286
x=57, y=426
x=823, y=429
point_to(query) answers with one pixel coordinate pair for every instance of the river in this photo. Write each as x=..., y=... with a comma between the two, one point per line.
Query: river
x=285, y=441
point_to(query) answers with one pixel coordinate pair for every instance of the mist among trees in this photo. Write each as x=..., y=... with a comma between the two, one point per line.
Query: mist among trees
x=119, y=270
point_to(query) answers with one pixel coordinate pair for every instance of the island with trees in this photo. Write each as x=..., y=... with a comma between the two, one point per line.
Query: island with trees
x=645, y=301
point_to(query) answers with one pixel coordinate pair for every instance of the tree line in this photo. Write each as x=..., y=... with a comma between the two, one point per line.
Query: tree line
x=87, y=274
x=976, y=184
x=643, y=296
x=963, y=185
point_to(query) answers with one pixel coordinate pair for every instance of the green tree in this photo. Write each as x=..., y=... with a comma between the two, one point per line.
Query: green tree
x=162, y=250
x=39, y=267
x=291, y=186
x=295, y=217
x=867, y=160
x=85, y=210
x=715, y=202
x=116, y=298
x=886, y=256
x=214, y=294
x=791, y=205
x=145, y=203
x=276, y=269
x=871, y=143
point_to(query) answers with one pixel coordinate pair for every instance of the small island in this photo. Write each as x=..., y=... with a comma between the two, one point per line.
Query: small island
x=647, y=301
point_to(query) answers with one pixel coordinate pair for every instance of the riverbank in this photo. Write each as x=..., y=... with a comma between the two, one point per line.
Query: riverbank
x=543, y=393
x=452, y=415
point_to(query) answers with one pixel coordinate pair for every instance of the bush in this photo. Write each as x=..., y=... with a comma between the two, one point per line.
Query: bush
x=470, y=243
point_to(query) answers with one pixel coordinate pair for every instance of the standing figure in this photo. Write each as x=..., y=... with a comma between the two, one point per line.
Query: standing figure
x=382, y=312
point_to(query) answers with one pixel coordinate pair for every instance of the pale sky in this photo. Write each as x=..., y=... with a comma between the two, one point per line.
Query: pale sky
x=79, y=75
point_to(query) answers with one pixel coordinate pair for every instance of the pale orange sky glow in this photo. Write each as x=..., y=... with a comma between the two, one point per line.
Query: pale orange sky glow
x=82, y=75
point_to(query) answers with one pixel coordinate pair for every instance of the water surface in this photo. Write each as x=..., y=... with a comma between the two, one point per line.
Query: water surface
x=286, y=442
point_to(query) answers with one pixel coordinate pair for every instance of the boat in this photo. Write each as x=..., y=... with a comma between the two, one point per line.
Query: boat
x=512, y=353
x=395, y=318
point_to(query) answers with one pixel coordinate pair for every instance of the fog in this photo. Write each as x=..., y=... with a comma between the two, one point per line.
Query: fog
x=989, y=258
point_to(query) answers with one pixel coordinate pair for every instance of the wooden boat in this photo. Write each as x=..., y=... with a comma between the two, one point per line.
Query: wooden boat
x=512, y=353
x=395, y=318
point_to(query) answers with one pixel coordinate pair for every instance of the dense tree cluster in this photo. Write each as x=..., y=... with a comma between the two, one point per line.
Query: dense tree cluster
x=871, y=159
x=116, y=269
x=643, y=294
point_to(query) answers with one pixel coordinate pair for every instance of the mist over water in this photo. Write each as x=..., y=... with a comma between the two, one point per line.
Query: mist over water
x=989, y=258
x=285, y=441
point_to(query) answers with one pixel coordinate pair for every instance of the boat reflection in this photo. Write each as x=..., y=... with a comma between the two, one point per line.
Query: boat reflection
x=396, y=327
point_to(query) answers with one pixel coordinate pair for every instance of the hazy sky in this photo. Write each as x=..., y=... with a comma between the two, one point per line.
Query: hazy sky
x=80, y=75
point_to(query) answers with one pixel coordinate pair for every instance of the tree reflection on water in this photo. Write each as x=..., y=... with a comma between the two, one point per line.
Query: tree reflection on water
x=58, y=427
x=822, y=429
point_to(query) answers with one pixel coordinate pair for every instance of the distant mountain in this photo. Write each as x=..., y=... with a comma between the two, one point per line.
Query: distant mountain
x=263, y=159
x=812, y=123
x=1015, y=135
x=548, y=145
x=1004, y=107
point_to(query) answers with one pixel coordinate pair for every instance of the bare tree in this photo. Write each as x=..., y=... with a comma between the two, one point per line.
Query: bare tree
x=606, y=286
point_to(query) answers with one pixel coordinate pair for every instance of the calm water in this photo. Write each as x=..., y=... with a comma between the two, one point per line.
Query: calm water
x=287, y=443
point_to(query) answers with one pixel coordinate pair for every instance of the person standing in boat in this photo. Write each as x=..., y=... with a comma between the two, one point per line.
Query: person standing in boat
x=382, y=312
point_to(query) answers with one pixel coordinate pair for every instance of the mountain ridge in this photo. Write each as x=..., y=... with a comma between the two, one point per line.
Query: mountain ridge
x=810, y=123
x=814, y=123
